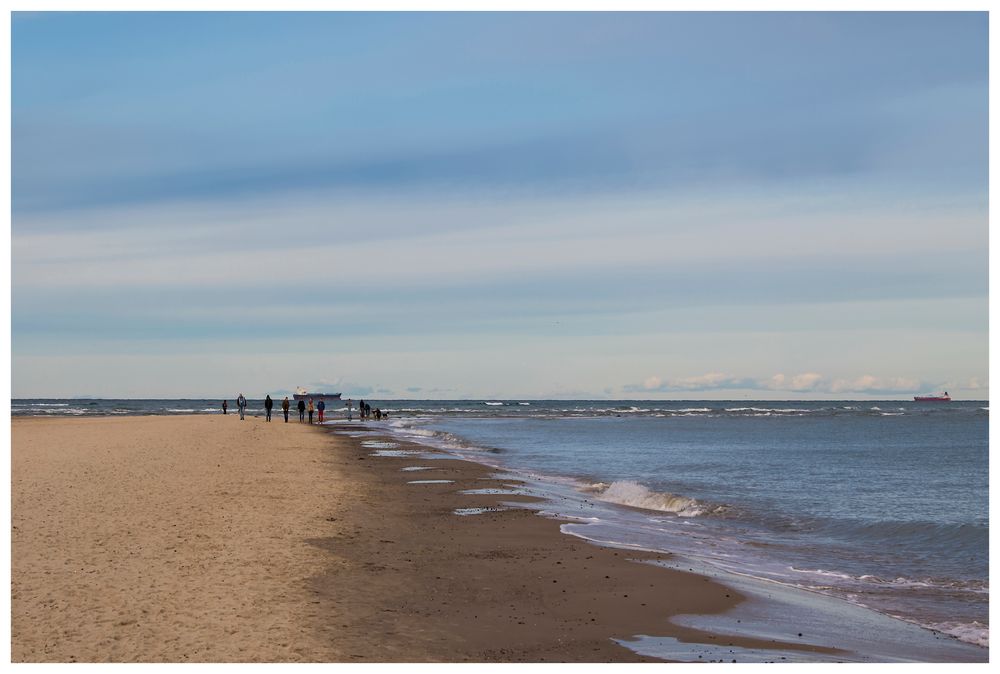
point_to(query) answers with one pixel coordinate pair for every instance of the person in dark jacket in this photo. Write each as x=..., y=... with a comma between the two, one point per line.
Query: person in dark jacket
x=284, y=408
x=302, y=410
x=241, y=402
x=225, y=406
x=268, y=404
x=321, y=407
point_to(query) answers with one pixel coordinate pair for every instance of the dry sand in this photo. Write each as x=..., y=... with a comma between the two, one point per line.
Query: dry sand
x=203, y=538
x=169, y=539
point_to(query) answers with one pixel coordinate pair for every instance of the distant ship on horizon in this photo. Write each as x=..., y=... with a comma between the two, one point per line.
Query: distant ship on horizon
x=943, y=398
x=303, y=394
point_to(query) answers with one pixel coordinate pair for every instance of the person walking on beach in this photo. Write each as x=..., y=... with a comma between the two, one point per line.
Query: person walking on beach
x=284, y=408
x=311, y=410
x=225, y=406
x=302, y=410
x=241, y=402
x=268, y=404
x=321, y=406
x=361, y=410
x=368, y=411
x=348, y=406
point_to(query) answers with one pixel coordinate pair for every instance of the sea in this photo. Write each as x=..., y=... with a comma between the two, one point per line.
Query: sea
x=882, y=505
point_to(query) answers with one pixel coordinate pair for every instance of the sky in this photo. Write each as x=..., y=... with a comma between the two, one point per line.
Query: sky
x=500, y=205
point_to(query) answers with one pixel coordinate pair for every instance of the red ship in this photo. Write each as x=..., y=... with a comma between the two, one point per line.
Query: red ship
x=933, y=399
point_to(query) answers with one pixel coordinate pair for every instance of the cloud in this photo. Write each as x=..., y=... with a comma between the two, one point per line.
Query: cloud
x=806, y=382
x=705, y=382
x=350, y=389
x=801, y=382
x=871, y=384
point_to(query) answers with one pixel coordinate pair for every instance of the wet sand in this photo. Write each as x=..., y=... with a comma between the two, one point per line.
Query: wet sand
x=203, y=538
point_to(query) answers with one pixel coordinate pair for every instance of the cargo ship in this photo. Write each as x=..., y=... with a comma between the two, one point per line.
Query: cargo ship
x=302, y=394
x=944, y=398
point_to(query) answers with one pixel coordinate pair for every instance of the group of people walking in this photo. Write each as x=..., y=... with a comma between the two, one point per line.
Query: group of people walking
x=364, y=409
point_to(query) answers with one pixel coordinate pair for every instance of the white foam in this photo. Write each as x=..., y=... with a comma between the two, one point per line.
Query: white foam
x=379, y=444
x=430, y=482
x=492, y=491
x=823, y=572
x=393, y=452
x=627, y=492
x=477, y=511
x=972, y=633
x=769, y=410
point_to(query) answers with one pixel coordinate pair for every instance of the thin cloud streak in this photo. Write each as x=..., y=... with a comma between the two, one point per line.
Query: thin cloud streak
x=806, y=382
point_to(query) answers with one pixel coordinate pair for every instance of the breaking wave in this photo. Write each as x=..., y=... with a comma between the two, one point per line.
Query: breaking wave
x=635, y=495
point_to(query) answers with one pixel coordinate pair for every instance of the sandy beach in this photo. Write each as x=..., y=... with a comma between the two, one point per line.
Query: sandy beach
x=207, y=539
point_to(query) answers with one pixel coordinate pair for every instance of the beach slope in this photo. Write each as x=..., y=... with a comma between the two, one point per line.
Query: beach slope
x=210, y=539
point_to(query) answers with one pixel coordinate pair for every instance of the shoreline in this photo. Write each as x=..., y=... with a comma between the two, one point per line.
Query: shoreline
x=201, y=538
x=537, y=595
x=298, y=545
x=761, y=624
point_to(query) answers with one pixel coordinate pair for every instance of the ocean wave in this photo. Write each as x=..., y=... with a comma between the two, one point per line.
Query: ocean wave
x=824, y=573
x=630, y=493
x=973, y=632
x=377, y=444
x=397, y=453
x=779, y=410
x=950, y=584
x=979, y=587
x=419, y=432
